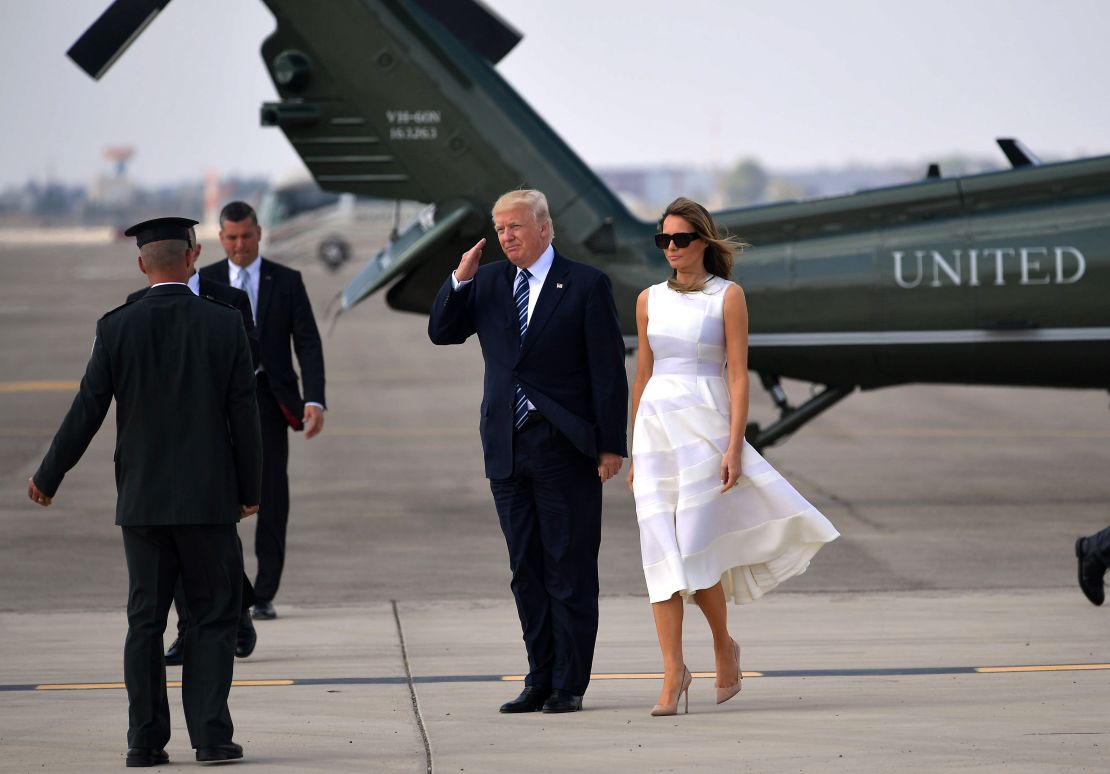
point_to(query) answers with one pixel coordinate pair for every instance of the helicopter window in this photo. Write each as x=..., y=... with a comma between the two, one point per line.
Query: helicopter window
x=281, y=204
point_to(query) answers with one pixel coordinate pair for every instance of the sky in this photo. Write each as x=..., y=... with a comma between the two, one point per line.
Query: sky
x=793, y=83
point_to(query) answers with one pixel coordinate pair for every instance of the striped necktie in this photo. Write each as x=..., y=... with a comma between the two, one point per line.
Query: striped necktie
x=520, y=295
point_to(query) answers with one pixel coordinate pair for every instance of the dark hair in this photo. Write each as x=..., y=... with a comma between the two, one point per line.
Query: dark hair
x=236, y=212
x=719, y=250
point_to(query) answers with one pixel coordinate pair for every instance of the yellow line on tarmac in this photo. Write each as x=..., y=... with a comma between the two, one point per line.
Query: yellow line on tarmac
x=631, y=676
x=169, y=684
x=40, y=386
x=1044, y=668
x=402, y=432
x=986, y=433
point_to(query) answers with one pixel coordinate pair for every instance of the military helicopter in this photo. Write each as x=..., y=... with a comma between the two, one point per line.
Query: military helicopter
x=991, y=279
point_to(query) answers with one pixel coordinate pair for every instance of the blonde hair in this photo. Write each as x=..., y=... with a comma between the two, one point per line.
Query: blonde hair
x=533, y=200
x=719, y=250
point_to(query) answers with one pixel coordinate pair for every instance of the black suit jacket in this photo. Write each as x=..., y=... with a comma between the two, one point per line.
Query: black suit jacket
x=571, y=364
x=225, y=294
x=284, y=317
x=188, y=444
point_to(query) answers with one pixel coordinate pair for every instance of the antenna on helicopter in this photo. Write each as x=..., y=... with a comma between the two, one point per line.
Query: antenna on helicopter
x=1017, y=153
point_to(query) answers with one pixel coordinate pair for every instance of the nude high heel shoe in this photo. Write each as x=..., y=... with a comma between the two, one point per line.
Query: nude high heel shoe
x=726, y=693
x=671, y=708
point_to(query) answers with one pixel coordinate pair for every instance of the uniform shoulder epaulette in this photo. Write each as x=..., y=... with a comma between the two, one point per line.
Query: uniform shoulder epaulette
x=215, y=300
x=124, y=305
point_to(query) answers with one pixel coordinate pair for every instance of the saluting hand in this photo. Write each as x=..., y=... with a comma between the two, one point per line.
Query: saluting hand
x=36, y=494
x=468, y=266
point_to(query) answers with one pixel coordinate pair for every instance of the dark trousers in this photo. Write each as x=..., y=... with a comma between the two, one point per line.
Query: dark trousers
x=550, y=513
x=273, y=511
x=210, y=565
x=183, y=608
x=1100, y=544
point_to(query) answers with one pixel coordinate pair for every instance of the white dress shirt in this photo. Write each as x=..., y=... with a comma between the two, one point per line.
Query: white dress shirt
x=538, y=270
x=253, y=271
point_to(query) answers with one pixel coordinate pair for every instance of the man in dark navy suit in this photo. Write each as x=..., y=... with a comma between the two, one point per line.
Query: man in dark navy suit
x=553, y=430
x=179, y=369
x=247, y=637
x=283, y=315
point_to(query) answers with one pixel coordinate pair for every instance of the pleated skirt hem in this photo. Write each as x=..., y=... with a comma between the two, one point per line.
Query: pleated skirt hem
x=748, y=563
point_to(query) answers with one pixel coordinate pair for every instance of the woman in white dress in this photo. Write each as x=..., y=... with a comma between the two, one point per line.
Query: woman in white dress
x=716, y=521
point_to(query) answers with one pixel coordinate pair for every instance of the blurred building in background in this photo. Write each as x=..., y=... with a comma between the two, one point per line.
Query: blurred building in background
x=294, y=206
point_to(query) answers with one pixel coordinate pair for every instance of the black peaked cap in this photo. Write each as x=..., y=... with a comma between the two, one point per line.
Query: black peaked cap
x=161, y=228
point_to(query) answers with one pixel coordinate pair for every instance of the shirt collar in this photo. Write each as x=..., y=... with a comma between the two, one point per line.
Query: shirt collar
x=542, y=266
x=194, y=284
x=160, y=284
x=253, y=269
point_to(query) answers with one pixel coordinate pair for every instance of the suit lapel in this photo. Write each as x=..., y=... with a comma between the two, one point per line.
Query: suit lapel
x=265, y=291
x=223, y=269
x=554, y=287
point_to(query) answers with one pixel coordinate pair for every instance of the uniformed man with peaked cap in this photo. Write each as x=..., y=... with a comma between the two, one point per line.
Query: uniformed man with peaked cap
x=188, y=466
x=246, y=637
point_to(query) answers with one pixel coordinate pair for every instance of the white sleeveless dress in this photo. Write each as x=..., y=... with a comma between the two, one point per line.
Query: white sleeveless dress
x=752, y=537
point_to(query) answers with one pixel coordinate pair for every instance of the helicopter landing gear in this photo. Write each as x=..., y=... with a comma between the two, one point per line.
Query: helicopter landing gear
x=334, y=252
x=790, y=417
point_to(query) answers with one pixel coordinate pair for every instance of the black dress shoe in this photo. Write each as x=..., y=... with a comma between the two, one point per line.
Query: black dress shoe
x=143, y=757
x=263, y=611
x=1091, y=572
x=175, y=654
x=562, y=701
x=220, y=752
x=246, y=638
x=531, y=699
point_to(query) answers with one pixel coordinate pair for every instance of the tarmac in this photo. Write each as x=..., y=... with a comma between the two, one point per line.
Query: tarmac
x=942, y=632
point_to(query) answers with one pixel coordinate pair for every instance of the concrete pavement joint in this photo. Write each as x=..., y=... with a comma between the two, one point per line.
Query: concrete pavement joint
x=412, y=687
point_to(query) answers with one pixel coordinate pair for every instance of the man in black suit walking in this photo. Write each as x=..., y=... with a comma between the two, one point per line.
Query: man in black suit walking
x=179, y=368
x=553, y=430
x=283, y=314
x=246, y=638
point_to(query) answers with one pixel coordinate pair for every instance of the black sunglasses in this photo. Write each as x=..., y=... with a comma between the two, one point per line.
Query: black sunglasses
x=662, y=241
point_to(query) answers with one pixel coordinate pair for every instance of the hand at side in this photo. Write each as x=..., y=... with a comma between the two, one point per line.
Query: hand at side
x=730, y=469
x=36, y=494
x=608, y=465
x=313, y=420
